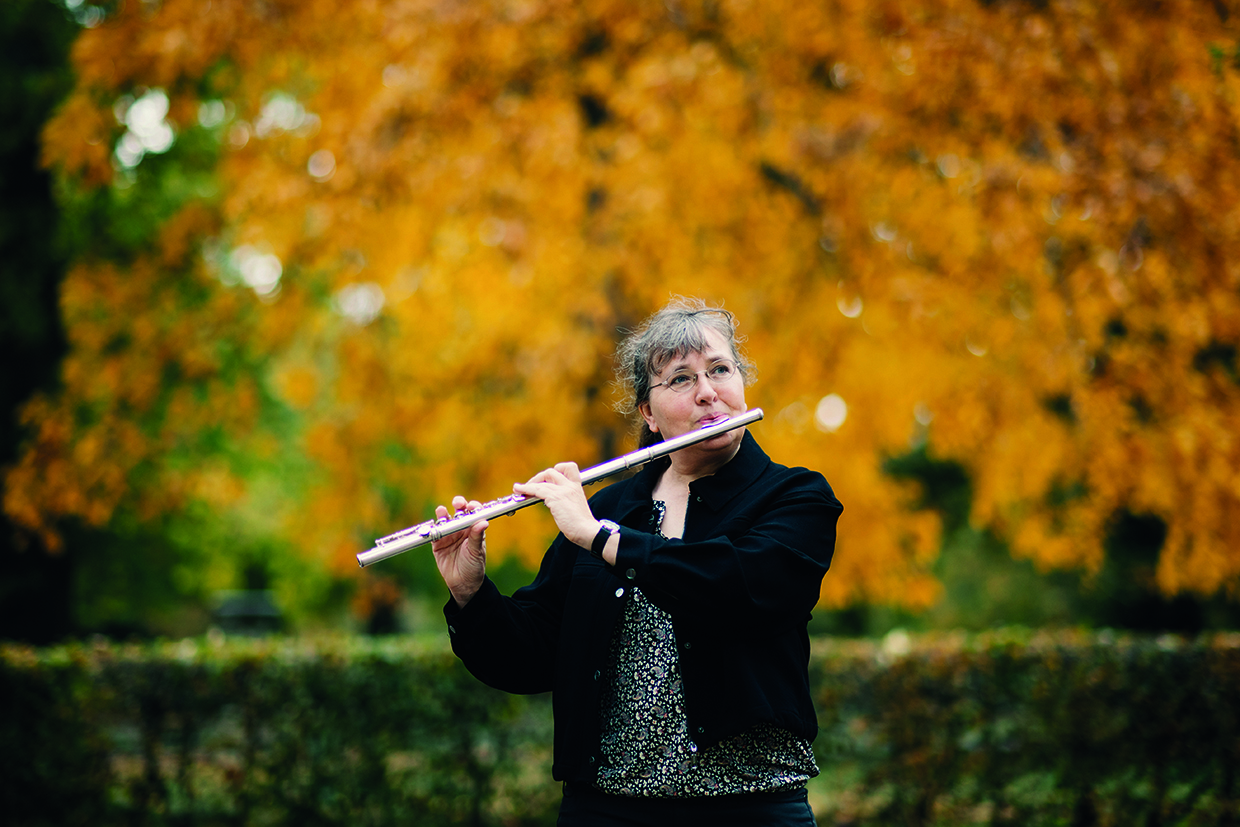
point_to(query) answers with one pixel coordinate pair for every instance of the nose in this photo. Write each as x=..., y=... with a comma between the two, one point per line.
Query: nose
x=705, y=389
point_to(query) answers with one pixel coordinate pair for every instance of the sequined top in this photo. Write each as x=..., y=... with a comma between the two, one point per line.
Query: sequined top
x=646, y=746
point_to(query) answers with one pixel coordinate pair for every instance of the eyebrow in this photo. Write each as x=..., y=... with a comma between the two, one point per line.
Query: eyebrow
x=682, y=362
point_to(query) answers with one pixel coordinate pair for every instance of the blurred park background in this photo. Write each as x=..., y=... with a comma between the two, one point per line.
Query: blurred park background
x=279, y=276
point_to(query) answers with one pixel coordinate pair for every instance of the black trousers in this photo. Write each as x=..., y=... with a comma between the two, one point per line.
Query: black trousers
x=585, y=806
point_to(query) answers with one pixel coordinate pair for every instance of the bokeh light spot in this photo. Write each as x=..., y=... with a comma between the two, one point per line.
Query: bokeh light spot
x=259, y=270
x=830, y=413
x=147, y=128
x=360, y=303
x=322, y=165
x=849, y=307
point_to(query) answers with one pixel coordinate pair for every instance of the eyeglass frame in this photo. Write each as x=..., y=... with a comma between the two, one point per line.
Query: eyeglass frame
x=697, y=374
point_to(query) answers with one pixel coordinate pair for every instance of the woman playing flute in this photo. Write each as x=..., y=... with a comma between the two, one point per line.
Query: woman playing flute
x=668, y=618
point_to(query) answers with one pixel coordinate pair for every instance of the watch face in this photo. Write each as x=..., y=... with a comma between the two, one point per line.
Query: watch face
x=609, y=525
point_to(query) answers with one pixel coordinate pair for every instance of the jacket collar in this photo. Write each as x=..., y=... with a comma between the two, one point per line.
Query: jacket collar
x=715, y=490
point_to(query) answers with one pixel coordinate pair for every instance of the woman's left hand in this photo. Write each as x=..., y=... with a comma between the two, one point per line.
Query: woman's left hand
x=560, y=488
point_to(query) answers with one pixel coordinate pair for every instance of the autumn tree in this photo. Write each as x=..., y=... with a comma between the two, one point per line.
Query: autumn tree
x=406, y=233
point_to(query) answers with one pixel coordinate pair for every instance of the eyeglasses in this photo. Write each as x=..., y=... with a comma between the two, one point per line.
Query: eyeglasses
x=683, y=381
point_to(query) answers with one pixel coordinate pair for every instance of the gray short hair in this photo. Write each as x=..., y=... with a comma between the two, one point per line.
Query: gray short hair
x=675, y=330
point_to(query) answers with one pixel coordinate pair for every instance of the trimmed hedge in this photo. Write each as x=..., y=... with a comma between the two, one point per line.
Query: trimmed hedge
x=1006, y=728
x=1031, y=729
x=344, y=731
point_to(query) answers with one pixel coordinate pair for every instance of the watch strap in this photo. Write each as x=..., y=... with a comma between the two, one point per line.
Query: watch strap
x=606, y=529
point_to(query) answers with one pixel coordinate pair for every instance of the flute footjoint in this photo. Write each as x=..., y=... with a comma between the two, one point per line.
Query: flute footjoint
x=428, y=532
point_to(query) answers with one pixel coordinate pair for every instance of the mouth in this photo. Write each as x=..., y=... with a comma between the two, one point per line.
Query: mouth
x=713, y=419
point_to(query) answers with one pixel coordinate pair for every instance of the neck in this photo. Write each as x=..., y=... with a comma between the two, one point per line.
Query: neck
x=686, y=466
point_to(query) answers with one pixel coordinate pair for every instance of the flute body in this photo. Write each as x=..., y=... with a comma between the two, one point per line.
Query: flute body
x=431, y=530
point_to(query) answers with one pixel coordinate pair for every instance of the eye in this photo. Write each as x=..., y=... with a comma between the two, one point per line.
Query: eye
x=680, y=381
x=721, y=371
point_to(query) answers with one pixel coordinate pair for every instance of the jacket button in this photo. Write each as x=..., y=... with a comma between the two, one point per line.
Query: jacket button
x=688, y=645
x=631, y=573
x=591, y=759
x=620, y=592
x=699, y=499
x=701, y=730
x=597, y=674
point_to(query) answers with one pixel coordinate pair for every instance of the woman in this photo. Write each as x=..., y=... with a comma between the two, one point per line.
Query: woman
x=669, y=616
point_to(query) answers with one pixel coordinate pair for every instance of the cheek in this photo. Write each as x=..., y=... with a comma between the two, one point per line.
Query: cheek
x=669, y=411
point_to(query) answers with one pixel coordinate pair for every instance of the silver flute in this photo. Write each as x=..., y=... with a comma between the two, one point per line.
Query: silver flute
x=431, y=530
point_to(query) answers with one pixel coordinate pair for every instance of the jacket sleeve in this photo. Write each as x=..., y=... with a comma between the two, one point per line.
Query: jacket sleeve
x=763, y=562
x=510, y=643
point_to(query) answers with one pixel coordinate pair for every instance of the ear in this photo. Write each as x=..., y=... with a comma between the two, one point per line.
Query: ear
x=644, y=410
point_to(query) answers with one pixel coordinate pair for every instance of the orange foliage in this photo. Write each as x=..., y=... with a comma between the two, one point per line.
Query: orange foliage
x=1004, y=229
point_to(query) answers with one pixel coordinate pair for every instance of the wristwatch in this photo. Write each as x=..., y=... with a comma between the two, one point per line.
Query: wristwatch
x=607, y=528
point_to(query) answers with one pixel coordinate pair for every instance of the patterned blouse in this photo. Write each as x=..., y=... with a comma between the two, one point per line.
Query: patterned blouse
x=646, y=746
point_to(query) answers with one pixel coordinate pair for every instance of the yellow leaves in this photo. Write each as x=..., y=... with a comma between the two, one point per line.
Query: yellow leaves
x=878, y=558
x=63, y=472
x=993, y=230
x=1196, y=561
x=164, y=43
x=299, y=385
x=218, y=487
x=323, y=444
x=78, y=139
x=182, y=233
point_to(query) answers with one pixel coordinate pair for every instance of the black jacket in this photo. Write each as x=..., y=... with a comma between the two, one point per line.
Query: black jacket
x=740, y=587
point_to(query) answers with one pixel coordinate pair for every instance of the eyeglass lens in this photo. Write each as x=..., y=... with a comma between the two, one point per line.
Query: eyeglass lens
x=719, y=373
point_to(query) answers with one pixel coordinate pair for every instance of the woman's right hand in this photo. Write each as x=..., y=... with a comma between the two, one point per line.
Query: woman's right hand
x=462, y=555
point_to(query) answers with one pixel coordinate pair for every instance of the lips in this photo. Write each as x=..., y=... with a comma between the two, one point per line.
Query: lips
x=713, y=419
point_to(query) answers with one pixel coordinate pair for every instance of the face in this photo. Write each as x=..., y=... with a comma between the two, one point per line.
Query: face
x=671, y=414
